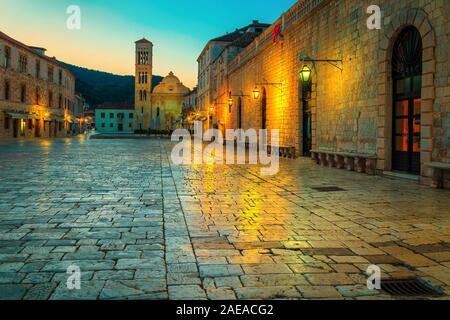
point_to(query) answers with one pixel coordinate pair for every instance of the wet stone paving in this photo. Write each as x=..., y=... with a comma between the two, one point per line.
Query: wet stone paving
x=139, y=227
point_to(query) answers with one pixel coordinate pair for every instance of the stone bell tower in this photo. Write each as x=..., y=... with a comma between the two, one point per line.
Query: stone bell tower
x=143, y=84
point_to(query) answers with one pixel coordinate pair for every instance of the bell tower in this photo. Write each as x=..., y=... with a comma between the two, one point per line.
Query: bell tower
x=143, y=84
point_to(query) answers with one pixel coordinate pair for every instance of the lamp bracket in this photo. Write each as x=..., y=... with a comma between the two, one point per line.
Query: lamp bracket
x=334, y=62
x=278, y=85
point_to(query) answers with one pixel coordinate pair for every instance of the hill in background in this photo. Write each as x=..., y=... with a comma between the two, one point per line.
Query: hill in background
x=98, y=87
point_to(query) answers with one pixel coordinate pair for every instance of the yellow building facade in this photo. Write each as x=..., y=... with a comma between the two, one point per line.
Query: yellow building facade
x=167, y=104
x=365, y=102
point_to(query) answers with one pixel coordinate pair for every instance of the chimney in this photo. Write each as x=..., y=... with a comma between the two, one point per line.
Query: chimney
x=255, y=21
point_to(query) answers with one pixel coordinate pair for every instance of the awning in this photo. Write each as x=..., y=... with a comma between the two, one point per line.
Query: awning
x=54, y=120
x=17, y=115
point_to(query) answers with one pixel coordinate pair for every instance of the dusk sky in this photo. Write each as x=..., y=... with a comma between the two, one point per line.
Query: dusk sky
x=179, y=29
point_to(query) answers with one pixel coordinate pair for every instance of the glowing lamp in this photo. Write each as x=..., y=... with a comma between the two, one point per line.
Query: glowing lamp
x=256, y=93
x=305, y=74
x=230, y=102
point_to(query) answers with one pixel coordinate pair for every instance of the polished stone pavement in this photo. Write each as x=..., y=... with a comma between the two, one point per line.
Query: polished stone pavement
x=140, y=227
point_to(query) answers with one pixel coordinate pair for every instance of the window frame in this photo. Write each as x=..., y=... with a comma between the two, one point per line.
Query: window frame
x=23, y=93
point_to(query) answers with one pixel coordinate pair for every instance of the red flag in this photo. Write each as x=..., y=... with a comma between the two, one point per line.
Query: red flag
x=276, y=32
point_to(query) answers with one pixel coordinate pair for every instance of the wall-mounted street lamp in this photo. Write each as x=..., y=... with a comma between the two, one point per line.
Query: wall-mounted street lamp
x=305, y=74
x=278, y=85
x=334, y=62
x=230, y=99
x=256, y=93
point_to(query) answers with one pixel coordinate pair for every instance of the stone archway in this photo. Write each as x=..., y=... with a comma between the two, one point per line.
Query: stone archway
x=416, y=18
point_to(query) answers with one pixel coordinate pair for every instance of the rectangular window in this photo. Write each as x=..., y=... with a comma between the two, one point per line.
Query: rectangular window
x=38, y=69
x=60, y=102
x=60, y=77
x=102, y=115
x=7, y=91
x=7, y=57
x=131, y=115
x=103, y=125
x=111, y=125
x=111, y=115
x=23, y=93
x=50, y=73
x=30, y=124
x=50, y=99
x=23, y=63
x=38, y=97
x=7, y=123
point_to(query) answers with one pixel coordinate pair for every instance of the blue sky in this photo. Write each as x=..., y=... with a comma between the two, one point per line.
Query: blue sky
x=179, y=29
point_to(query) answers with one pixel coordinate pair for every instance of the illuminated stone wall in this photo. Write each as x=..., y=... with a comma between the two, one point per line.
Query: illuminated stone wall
x=352, y=109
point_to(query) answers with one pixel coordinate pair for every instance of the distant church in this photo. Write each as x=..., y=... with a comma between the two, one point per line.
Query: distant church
x=158, y=108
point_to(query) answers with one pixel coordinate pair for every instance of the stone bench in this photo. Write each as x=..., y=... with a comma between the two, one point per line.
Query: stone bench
x=438, y=172
x=362, y=163
x=285, y=151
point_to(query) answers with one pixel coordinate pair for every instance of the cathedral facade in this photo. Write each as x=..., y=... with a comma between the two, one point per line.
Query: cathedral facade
x=157, y=108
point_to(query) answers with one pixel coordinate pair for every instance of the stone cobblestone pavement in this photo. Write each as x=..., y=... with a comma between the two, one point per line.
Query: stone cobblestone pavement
x=141, y=228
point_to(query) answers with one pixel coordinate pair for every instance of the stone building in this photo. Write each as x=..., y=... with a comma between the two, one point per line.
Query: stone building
x=158, y=108
x=167, y=101
x=114, y=118
x=190, y=109
x=143, y=83
x=36, y=92
x=79, y=107
x=377, y=100
x=212, y=62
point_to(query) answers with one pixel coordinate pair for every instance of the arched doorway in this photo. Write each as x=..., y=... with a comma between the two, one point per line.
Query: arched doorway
x=407, y=86
x=239, y=114
x=264, y=109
